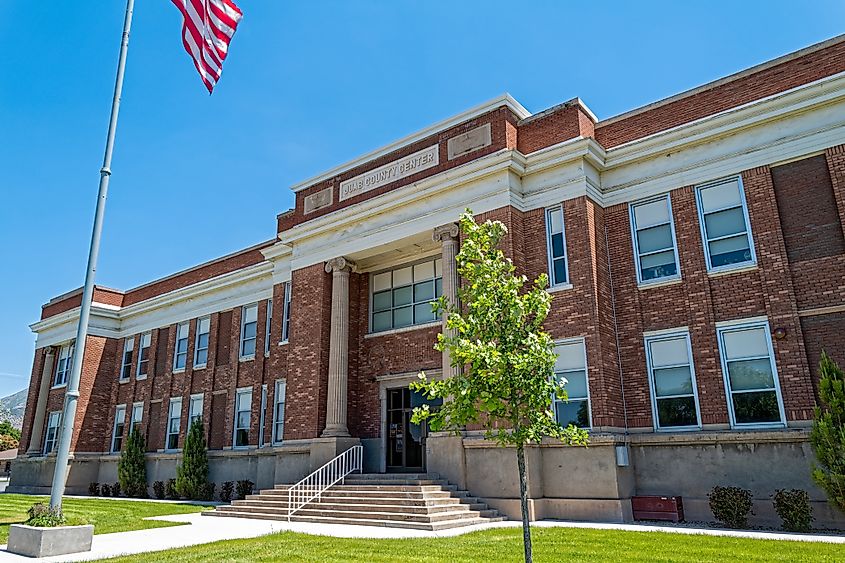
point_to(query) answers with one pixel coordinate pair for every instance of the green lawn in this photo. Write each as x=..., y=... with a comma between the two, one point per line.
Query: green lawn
x=550, y=544
x=107, y=515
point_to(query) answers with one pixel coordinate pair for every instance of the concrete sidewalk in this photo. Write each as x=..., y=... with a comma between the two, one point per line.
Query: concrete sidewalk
x=206, y=530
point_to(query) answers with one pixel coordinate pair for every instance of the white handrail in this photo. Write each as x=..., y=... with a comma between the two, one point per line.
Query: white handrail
x=313, y=486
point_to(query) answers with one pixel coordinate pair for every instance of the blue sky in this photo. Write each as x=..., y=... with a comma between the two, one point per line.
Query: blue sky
x=308, y=85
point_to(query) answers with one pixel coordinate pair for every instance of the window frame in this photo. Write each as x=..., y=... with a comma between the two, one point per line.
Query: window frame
x=68, y=365
x=242, y=340
x=671, y=334
x=285, y=336
x=638, y=255
x=241, y=391
x=703, y=229
x=57, y=430
x=277, y=424
x=149, y=336
x=176, y=353
x=132, y=420
x=126, y=367
x=117, y=422
x=192, y=415
x=170, y=417
x=736, y=326
x=195, y=364
x=549, y=257
x=434, y=258
x=583, y=341
x=268, y=326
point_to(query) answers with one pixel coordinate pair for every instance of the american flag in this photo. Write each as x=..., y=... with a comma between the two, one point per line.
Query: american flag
x=207, y=29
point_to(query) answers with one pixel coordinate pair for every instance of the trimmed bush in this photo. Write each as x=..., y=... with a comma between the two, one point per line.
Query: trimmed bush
x=226, y=491
x=158, y=489
x=244, y=488
x=44, y=516
x=793, y=507
x=115, y=490
x=828, y=435
x=132, y=467
x=170, y=490
x=94, y=489
x=192, y=473
x=731, y=506
x=105, y=490
x=208, y=491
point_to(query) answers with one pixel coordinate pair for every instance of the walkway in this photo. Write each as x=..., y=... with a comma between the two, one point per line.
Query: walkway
x=206, y=530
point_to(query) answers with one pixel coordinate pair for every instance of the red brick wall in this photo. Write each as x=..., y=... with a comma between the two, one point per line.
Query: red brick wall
x=568, y=121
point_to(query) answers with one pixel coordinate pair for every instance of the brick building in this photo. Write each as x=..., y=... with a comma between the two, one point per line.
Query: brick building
x=695, y=248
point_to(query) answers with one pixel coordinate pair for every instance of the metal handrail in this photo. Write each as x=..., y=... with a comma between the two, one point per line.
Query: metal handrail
x=314, y=485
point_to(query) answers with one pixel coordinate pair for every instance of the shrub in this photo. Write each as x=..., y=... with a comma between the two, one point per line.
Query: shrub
x=244, y=488
x=170, y=490
x=132, y=467
x=105, y=490
x=192, y=473
x=828, y=435
x=158, y=489
x=94, y=489
x=115, y=490
x=793, y=507
x=226, y=490
x=730, y=506
x=208, y=491
x=44, y=516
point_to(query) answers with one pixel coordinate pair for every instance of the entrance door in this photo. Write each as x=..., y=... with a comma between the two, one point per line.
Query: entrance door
x=405, y=440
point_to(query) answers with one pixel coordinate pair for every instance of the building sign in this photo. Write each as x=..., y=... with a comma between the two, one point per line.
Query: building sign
x=391, y=172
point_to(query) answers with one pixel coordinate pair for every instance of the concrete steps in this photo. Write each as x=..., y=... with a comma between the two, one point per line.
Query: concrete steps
x=418, y=501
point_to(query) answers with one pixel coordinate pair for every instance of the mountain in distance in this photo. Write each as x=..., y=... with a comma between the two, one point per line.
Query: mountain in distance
x=12, y=407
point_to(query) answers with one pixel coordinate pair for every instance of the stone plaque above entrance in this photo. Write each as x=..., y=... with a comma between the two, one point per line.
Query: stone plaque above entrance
x=472, y=140
x=396, y=170
x=318, y=200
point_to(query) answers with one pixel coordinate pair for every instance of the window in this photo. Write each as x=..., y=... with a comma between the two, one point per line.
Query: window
x=180, y=351
x=143, y=356
x=655, y=250
x=286, y=313
x=119, y=423
x=137, y=417
x=64, y=364
x=243, y=406
x=556, y=246
x=195, y=409
x=571, y=365
x=174, y=418
x=723, y=217
x=673, y=390
x=249, y=325
x=279, y=412
x=750, y=376
x=51, y=438
x=268, y=328
x=262, y=416
x=126, y=364
x=402, y=297
x=201, y=344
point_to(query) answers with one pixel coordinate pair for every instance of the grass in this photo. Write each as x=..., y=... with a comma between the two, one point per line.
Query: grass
x=505, y=544
x=107, y=515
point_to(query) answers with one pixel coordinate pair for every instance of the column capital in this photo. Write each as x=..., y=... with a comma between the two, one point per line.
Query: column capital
x=449, y=231
x=339, y=264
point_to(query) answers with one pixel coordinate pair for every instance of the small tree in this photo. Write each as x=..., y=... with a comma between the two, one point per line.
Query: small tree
x=132, y=468
x=192, y=473
x=505, y=359
x=828, y=435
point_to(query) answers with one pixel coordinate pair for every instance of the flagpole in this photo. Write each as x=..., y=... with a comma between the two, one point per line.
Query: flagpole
x=72, y=392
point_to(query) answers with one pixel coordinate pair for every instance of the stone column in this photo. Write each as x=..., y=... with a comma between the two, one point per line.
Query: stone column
x=447, y=235
x=338, y=349
x=37, y=430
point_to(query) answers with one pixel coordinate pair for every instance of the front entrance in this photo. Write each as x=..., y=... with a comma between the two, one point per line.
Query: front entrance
x=405, y=440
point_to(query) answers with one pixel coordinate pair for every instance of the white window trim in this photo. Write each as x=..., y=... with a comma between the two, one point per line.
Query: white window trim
x=114, y=428
x=262, y=416
x=132, y=420
x=370, y=313
x=280, y=383
x=549, y=259
x=176, y=346
x=671, y=335
x=238, y=392
x=268, y=326
x=168, y=433
x=704, y=241
x=68, y=365
x=138, y=375
x=285, y=337
x=45, y=450
x=241, y=356
x=123, y=364
x=583, y=342
x=633, y=221
x=201, y=397
x=738, y=325
x=196, y=365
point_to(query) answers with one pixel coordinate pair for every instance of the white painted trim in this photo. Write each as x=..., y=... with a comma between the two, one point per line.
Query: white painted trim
x=665, y=332
x=583, y=341
x=167, y=432
x=703, y=229
x=632, y=220
x=739, y=322
x=549, y=258
x=238, y=392
x=671, y=334
x=403, y=329
x=114, y=429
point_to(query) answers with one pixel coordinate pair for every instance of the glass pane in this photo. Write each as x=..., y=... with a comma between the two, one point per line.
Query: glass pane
x=653, y=213
x=202, y=342
x=730, y=251
x=183, y=330
x=251, y=314
x=423, y=314
x=382, y=300
x=724, y=223
x=751, y=374
x=557, y=245
x=655, y=238
x=569, y=356
x=424, y=271
x=573, y=412
x=242, y=438
x=182, y=345
x=438, y=287
x=174, y=425
x=659, y=265
x=669, y=352
x=403, y=317
x=676, y=412
x=402, y=296
x=402, y=276
x=438, y=267
x=555, y=220
x=381, y=281
x=672, y=381
x=746, y=343
x=243, y=419
x=752, y=408
x=424, y=292
x=248, y=348
x=720, y=196
x=204, y=325
x=560, y=270
x=244, y=401
x=382, y=321
x=249, y=330
x=576, y=383
x=145, y=340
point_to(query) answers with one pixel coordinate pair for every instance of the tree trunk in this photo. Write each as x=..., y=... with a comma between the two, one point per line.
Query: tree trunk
x=523, y=498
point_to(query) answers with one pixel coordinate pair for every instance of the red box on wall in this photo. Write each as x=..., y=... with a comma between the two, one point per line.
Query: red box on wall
x=658, y=508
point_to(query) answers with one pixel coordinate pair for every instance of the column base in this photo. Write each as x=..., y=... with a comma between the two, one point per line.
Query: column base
x=335, y=432
x=324, y=449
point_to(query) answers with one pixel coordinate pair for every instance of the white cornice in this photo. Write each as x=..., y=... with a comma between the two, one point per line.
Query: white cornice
x=504, y=100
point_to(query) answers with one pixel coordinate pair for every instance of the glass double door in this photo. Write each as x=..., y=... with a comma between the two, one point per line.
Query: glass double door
x=405, y=440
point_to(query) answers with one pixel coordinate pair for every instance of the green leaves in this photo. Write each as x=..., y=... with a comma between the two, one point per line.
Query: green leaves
x=827, y=437
x=497, y=340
